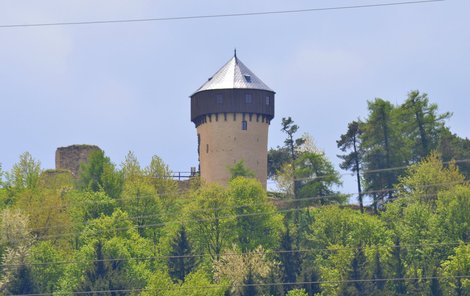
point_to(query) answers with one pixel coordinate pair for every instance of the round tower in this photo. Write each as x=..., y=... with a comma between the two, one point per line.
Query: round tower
x=232, y=112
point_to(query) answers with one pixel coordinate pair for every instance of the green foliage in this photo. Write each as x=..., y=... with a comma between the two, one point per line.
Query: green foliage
x=234, y=241
x=276, y=159
x=384, y=147
x=85, y=206
x=47, y=266
x=99, y=174
x=243, y=270
x=453, y=218
x=456, y=270
x=425, y=179
x=16, y=241
x=317, y=177
x=196, y=283
x=46, y=209
x=211, y=219
x=257, y=222
x=453, y=147
x=2, y=173
x=297, y=292
x=341, y=233
x=24, y=174
x=240, y=170
x=352, y=161
x=160, y=177
x=181, y=261
x=108, y=257
x=421, y=124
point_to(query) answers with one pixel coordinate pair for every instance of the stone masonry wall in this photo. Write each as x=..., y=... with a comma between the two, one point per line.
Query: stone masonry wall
x=70, y=157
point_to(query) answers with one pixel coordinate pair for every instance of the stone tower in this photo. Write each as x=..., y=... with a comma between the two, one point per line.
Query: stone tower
x=71, y=157
x=232, y=112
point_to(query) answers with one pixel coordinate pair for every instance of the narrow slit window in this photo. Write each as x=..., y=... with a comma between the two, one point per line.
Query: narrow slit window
x=207, y=148
x=267, y=100
x=248, y=98
x=220, y=99
x=244, y=125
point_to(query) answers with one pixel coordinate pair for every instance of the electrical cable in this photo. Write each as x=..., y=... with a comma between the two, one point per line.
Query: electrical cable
x=177, y=18
x=217, y=286
x=267, y=252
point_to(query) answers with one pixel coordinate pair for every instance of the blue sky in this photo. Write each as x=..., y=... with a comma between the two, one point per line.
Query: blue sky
x=126, y=86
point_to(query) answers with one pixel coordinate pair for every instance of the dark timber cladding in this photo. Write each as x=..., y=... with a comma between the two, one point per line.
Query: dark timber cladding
x=252, y=101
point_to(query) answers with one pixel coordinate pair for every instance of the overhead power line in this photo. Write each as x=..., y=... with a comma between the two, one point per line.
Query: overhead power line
x=217, y=286
x=183, y=221
x=332, y=249
x=209, y=16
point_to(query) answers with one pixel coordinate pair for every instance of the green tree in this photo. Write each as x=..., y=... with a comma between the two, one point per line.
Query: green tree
x=240, y=170
x=107, y=258
x=256, y=222
x=316, y=177
x=196, y=283
x=46, y=266
x=276, y=159
x=16, y=241
x=352, y=161
x=244, y=271
x=340, y=233
x=424, y=180
x=211, y=214
x=25, y=174
x=456, y=270
x=421, y=123
x=297, y=292
x=453, y=208
x=181, y=261
x=47, y=211
x=354, y=283
x=453, y=147
x=384, y=148
x=2, y=173
x=289, y=259
x=99, y=174
x=160, y=176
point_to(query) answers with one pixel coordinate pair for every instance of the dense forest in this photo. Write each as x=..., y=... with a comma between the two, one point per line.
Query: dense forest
x=129, y=229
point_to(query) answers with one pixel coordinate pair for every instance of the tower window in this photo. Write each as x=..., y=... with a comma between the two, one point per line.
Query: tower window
x=267, y=100
x=244, y=125
x=248, y=98
x=220, y=99
x=207, y=148
x=247, y=78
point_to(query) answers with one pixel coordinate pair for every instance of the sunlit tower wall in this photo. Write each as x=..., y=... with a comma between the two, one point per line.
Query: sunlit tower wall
x=232, y=111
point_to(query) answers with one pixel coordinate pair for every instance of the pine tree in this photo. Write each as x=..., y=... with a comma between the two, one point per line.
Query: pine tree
x=250, y=288
x=22, y=283
x=181, y=261
x=352, y=161
x=398, y=269
x=378, y=272
x=354, y=284
x=289, y=260
x=436, y=289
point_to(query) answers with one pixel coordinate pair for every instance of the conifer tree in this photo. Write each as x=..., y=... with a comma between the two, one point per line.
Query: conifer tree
x=289, y=258
x=181, y=262
x=250, y=288
x=378, y=275
x=355, y=284
x=352, y=161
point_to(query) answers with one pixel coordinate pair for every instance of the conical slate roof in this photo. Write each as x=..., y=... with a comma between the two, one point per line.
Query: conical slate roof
x=234, y=74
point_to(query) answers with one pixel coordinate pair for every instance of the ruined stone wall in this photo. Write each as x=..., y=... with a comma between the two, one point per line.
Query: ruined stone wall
x=70, y=157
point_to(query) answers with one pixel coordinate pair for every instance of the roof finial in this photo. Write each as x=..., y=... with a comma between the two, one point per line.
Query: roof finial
x=235, y=53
